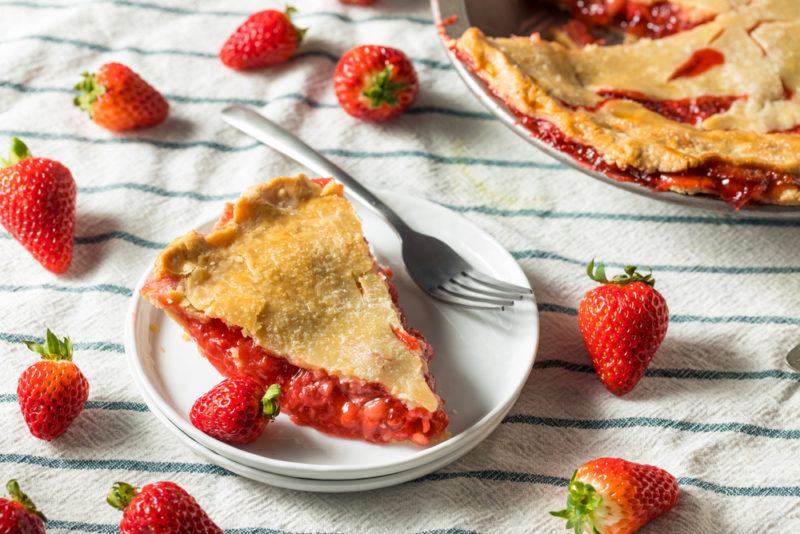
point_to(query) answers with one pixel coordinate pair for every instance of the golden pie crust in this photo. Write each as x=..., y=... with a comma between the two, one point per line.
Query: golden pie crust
x=292, y=269
x=760, y=40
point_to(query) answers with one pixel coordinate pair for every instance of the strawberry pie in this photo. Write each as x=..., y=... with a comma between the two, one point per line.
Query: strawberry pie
x=285, y=290
x=700, y=97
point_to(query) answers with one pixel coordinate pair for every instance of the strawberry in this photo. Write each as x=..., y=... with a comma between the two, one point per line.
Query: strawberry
x=237, y=410
x=266, y=38
x=37, y=206
x=375, y=83
x=623, y=322
x=162, y=507
x=19, y=515
x=118, y=99
x=51, y=392
x=615, y=496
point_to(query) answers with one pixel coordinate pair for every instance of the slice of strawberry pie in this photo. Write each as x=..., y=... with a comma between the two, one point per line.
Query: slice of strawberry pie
x=285, y=290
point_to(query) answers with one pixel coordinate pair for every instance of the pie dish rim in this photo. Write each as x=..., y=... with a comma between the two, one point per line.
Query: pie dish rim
x=444, y=9
x=323, y=471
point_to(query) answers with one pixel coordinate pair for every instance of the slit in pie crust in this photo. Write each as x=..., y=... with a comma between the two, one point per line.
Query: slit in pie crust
x=711, y=109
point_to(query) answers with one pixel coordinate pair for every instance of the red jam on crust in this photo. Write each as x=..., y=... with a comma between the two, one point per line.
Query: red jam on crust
x=654, y=20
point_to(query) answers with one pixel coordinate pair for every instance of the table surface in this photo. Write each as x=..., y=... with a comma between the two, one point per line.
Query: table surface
x=715, y=408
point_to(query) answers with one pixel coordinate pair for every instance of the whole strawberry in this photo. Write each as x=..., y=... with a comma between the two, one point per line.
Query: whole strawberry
x=266, y=38
x=51, y=392
x=118, y=99
x=18, y=515
x=375, y=83
x=615, y=496
x=623, y=322
x=37, y=206
x=237, y=410
x=159, y=508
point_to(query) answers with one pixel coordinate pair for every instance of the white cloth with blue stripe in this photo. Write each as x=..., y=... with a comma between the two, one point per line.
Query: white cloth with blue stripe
x=717, y=407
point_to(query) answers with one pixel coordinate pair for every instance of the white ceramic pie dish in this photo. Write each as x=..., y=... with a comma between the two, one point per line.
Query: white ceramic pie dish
x=482, y=361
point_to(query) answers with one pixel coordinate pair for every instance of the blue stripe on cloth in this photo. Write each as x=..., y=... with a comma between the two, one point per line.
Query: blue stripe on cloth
x=127, y=406
x=653, y=422
x=102, y=288
x=684, y=373
x=177, y=145
x=711, y=269
x=108, y=236
x=733, y=220
x=546, y=307
x=532, y=478
x=80, y=526
x=97, y=47
x=103, y=346
x=310, y=102
x=175, y=10
x=117, y=464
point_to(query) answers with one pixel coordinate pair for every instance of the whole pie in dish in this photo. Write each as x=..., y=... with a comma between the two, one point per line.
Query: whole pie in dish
x=285, y=290
x=700, y=97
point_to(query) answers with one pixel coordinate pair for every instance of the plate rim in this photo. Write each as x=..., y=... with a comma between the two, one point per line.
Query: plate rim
x=333, y=471
x=319, y=485
x=442, y=9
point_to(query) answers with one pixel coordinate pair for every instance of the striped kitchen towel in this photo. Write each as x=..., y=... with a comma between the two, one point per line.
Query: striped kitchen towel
x=716, y=408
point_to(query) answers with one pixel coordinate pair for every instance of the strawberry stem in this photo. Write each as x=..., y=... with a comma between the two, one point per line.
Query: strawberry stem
x=12, y=486
x=53, y=348
x=382, y=90
x=598, y=274
x=18, y=152
x=270, y=403
x=300, y=32
x=582, y=501
x=121, y=495
x=90, y=90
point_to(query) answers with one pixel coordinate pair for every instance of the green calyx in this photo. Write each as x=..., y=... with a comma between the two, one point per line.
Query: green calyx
x=90, y=90
x=18, y=152
x=53, y=349
x=382, y=90
x=300, y=32
x=19, y=496
x=270, y=403
x=598, y=274
x=121, y=495
x=582, y=502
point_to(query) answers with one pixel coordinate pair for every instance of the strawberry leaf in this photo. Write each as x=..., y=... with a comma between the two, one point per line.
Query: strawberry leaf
x=383, y=90
x=53, y=348
x=270, y=403
x=597, y=272
x=121, y=495
x=90, y=90
x=19, y=496
x=19, y=151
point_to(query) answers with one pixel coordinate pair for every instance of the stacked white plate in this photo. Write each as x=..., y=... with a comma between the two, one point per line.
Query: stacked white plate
x=482, y=361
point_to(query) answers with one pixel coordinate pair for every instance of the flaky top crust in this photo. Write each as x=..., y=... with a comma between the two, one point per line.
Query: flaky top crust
x=292, y=269
x=761, y=44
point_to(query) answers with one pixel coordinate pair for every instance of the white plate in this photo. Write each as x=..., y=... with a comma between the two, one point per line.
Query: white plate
x=481, y=364
x=308, y=484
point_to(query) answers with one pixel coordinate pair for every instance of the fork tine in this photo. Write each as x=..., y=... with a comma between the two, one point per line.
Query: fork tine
x=476, y=298
x=499, y=293
x=494, y=283
x=444, y=297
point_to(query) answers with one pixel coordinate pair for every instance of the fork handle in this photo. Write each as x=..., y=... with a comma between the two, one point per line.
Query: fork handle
x=256, y=125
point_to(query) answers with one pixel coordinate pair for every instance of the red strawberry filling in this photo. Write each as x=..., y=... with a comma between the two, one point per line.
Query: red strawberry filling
x=655, y=20
x=344, y=407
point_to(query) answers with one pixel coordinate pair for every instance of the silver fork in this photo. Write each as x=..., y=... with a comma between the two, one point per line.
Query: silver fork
x=435, y=267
